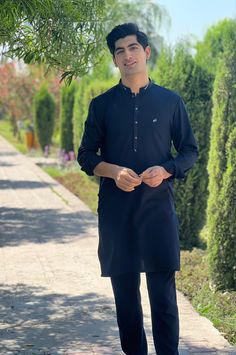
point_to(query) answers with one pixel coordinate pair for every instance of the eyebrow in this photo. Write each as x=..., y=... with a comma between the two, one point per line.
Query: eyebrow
x=130, y=45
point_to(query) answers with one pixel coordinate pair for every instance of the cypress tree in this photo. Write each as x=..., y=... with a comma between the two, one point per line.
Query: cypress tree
x=86, y=92
x=222, y=244
x=180, y=73
x=44, y=116
x=78, y=112
x=66, y=116
x=221, y=167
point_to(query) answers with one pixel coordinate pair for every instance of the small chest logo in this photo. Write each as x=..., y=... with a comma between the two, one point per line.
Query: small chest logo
x=154, y=120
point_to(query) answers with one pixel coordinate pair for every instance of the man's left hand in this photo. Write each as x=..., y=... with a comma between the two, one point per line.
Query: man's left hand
x=154, y=175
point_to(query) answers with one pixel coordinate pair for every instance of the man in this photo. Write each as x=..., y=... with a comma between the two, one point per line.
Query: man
x=133, y=125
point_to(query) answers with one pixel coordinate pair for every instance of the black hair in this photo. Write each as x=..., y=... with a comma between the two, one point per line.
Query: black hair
x=121, y=31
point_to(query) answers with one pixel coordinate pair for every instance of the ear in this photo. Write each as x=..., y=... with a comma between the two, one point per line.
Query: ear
x=148, y=52
x=114, y=60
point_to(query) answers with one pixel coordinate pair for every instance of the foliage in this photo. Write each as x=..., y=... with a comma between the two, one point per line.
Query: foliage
x=17, y=90
x=44, y=111
x=221, y=167
x=6, y=132
x=193, y=281
x=179, y=72
x=149, y=15
x=217, y=40
x=70, y=35
x=87, y=91
x=18, y=86
x=66, y=115
x=65, y=34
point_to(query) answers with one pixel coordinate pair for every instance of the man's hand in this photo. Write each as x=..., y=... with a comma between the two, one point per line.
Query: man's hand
x=154, y=176
x=126, y=179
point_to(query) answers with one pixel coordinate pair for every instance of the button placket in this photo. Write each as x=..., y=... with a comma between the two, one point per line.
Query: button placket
x=135, y=143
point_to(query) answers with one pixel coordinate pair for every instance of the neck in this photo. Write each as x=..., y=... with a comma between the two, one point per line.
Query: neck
x=135, y=82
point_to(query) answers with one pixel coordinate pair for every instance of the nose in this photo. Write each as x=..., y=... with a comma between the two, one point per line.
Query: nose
x=128, y=55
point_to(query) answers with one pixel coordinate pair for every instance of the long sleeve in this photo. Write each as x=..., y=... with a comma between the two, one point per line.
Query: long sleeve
x=91, y=142
x=184, y=143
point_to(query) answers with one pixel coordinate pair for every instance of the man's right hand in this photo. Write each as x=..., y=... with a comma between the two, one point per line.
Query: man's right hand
x=126, y=179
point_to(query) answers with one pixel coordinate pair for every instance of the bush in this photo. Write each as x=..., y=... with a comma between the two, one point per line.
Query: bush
x=44, y=112
x=222, y=183
x=86, y=92
x=178, y=71
x=66, y=116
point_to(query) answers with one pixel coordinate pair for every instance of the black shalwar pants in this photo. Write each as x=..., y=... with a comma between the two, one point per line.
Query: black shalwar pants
x=164, y=312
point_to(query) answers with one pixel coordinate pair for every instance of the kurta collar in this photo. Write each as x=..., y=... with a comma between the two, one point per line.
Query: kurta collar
x=141, y=90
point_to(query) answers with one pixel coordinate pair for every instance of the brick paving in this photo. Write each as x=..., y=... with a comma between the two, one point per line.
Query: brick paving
x=52, y=298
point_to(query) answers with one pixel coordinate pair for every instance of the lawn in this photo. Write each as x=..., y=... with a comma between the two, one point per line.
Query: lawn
x=6, y=132
x=84, y=187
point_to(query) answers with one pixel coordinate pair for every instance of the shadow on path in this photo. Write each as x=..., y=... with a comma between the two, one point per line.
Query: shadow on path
x=23, y=184
x=6, y=153
x=3, y=163
x=20, y=225
x=33, y=319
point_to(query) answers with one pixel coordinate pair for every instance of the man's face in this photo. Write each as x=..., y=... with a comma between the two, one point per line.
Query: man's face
x=130, y=57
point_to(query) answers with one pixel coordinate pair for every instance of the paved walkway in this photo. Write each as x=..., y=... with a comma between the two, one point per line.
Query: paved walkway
x=52, y=298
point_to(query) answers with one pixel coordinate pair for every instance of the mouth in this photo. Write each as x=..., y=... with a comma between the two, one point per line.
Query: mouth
x=130, y=65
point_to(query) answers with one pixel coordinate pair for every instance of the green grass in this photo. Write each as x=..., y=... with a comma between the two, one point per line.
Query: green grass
x=194, y=282
x=83, y=186
x=6, y=132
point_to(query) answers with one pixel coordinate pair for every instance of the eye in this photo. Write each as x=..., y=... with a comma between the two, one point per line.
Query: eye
x=133, y=48
x=119, y=51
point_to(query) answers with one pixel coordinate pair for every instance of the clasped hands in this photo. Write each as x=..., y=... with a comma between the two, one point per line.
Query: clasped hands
x=126, y=179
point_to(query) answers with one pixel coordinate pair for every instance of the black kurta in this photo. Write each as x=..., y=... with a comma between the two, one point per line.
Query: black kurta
x=138, y=230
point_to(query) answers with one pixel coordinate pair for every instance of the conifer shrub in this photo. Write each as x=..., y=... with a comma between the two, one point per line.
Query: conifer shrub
x=66, y=116
x=86, y=92
x=44, y=116
x=178, y=72
x=221, y=167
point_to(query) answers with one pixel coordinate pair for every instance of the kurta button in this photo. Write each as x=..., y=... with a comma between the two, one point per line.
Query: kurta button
x=136, y=108
x=135, y=137
x=136, y=122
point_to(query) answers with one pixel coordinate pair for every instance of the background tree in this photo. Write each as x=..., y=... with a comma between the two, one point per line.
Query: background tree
x=149, y=15
x=66, y=116
x=220, y=169
x=44, y=113
x=222, y=244
x=84, y=95
x=66, y=34
x=179, y=72
x=18, y=86
x=214, y=44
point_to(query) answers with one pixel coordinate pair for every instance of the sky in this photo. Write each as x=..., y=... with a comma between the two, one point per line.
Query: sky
x=194, y=17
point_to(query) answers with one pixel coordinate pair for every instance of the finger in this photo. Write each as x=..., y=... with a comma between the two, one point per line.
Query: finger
x=153, y=183
x=151, y=177
x=133, y=173
x=125, y=185
x=157, y=184
x=147, y=173
x=126, y=189
x=127, y=182
x=132, y=180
